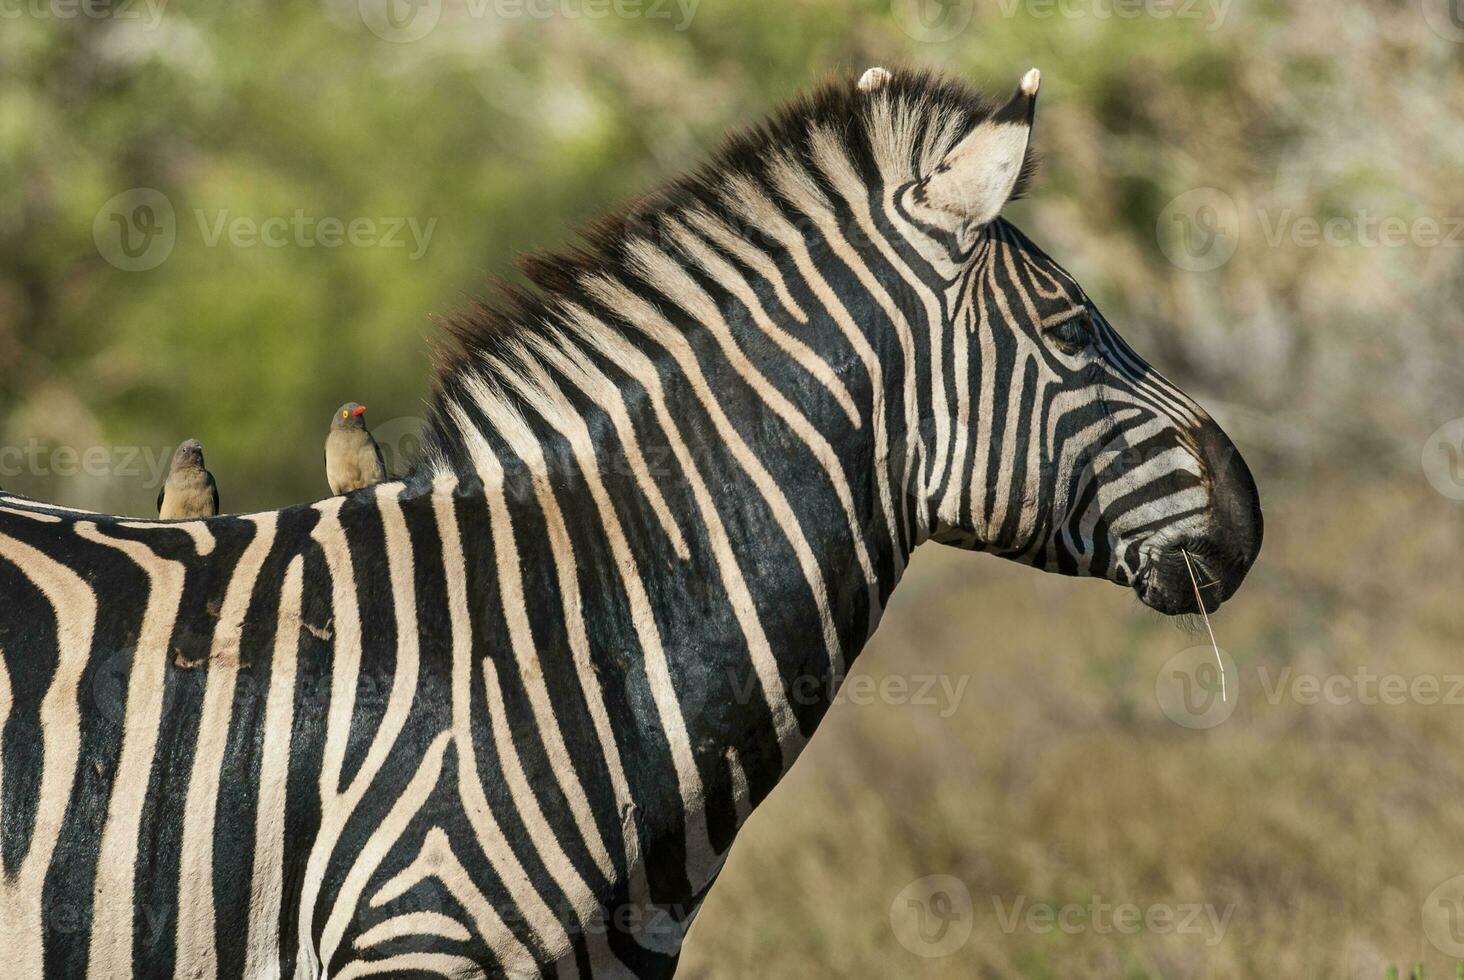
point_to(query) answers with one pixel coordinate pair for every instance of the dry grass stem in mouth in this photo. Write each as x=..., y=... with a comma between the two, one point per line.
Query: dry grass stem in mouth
x=1206, y=617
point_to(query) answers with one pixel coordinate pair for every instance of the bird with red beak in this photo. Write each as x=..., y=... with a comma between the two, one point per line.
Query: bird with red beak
x=352, y=457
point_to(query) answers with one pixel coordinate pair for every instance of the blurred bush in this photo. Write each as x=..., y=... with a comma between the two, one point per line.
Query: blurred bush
x=509, y=123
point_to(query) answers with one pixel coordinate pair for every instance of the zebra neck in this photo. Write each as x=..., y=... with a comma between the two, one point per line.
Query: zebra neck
x=660, y=491
x=721, y=545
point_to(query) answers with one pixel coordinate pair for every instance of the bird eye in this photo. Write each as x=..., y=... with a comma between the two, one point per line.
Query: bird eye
x=345, y=415
x=1073, y=334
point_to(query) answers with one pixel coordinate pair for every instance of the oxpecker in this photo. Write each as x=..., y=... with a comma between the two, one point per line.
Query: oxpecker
x=352, y=457
x=189, y=492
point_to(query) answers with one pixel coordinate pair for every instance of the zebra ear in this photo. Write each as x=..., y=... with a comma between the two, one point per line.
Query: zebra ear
x=975, y=179
x=874, y=79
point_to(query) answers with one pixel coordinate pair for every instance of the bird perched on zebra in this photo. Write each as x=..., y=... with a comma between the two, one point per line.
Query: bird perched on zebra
x=189, y=492
x=352, y=457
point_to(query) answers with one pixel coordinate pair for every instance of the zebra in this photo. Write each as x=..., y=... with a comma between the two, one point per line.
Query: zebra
x=505, y=716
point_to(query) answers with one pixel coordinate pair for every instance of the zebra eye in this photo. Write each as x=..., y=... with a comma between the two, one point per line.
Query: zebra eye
x=1073, y=334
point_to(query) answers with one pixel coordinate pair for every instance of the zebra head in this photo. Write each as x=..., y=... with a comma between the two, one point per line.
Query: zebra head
x=1062, y=448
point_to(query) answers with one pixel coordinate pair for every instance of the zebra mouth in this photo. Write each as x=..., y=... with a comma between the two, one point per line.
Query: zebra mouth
x=1164, y=583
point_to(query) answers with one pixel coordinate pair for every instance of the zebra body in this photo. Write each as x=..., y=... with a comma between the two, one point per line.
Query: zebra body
x=505, y=717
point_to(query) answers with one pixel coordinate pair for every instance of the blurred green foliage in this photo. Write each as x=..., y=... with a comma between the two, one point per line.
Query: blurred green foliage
x=510, y=123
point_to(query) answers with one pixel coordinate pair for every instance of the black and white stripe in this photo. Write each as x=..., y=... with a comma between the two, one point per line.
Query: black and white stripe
x=505, y=717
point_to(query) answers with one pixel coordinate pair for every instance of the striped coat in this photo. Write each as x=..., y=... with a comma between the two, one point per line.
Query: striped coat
x=505, y=717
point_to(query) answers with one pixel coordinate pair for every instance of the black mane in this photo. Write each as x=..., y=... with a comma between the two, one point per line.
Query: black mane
x=555, y=277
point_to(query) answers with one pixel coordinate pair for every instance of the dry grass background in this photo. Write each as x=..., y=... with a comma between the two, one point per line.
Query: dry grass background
x=1322, y=828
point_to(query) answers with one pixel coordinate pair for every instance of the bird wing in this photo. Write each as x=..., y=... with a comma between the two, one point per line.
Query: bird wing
x=380, y=462
x=213, y=488
x=161, y=490
x=333, y=477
